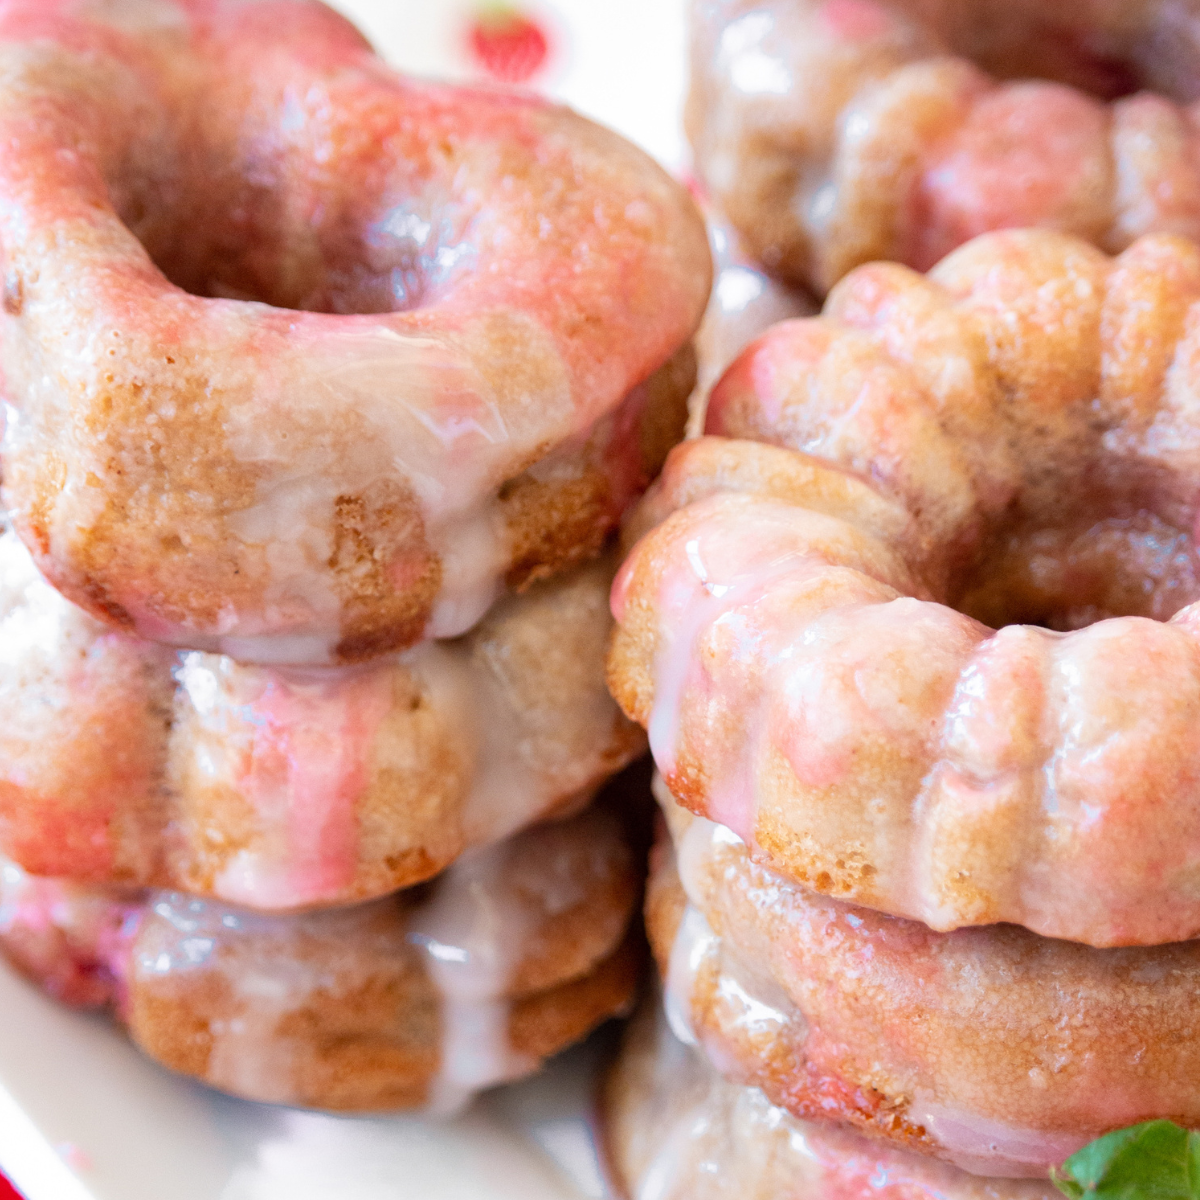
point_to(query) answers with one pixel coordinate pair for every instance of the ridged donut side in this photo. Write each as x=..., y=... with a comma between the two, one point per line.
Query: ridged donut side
x=1029, y=409
x=993, y=1048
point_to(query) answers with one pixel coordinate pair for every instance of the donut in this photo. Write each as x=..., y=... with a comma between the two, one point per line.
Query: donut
x=837, y=132
x=920, y=623
x=992, y=1048
x=285, y=787
x=303, y=359
x=417, y=1000
x=677, y=1130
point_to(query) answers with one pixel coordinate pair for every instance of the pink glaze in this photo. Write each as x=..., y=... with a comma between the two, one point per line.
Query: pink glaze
x=399, y=983
x=769, y=654
x=1008, y=1050
x=281, y=788
x=845, y=702
x=716, y=604
x=1025, y=154
x=74, y=941
x=311, y=396
x=306, y=767
x=857, y=20
x=840, y=132
x=678, y=1131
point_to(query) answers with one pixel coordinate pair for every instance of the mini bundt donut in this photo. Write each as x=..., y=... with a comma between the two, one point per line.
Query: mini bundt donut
x=677, y=1130
x=303, y=359
x=280, y=788
x=1013, y=438
x=420, y=999
x=835, y=132
x=995, y=1049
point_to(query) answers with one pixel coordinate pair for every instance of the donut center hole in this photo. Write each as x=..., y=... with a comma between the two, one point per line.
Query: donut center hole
x=1067, y=576
x=302, y=248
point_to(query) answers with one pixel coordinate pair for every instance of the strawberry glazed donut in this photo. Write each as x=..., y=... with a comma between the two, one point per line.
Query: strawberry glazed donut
x=417, y=1000
x=677, y=1130
x=304, y=359
x=835, y=132
x=919, y=622
x=287, y=787
x=994, y=1049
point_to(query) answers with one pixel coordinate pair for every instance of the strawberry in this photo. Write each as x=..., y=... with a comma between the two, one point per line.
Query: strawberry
x=508, y=44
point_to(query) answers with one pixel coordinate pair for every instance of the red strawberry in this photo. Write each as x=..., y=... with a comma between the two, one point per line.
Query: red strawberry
x=509, y=45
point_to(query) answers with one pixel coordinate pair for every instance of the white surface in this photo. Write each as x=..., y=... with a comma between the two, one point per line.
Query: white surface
x=82, y=1115
x=620, y=62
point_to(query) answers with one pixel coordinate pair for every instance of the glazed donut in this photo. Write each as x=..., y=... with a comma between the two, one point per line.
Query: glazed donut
x=1010, y=439
x=676, y=1130
x=995, y=1049
x=280, y=788
x=837, y=132
x=420, y=999
x=303, y=359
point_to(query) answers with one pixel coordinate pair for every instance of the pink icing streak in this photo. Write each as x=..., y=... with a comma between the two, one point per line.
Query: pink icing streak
x=856, y=20
x=73, y=940
x=309, y=764
x=702, y=596
x=1028, y=154
x=719, y=597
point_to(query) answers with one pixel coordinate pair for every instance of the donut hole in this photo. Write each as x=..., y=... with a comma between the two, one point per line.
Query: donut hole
x=217, y=231
x=1069, y=575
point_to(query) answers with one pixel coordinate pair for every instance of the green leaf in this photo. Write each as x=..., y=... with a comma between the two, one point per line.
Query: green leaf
x=1154, y=1161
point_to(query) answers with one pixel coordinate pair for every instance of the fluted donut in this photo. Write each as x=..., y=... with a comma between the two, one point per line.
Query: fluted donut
x=677, y=1130
x=835, y=132
x=416, y=1000
x=303, y=359
x=995, y=1049
x=1010, y=440
x=278, y=788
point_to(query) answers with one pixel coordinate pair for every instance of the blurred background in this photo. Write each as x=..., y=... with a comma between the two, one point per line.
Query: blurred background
x=619, y=61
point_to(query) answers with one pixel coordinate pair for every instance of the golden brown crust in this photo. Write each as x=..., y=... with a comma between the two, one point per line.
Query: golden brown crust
x=674, y=1124
x=279, y=789
x=992, y=1048
x=419, y=998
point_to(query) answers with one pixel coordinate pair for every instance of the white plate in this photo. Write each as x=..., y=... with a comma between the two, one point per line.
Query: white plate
x=83, y=1116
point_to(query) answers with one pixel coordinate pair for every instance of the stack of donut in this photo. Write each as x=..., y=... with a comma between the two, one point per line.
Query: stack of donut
x=323, y=391
x=914, y=627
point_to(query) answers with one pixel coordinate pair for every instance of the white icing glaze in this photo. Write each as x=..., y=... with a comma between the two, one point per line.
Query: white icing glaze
x=694, y=942
x=249, y=1055
x=296, y=745
x=681, y=1132
x=473, y=933
x=984, y=1147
